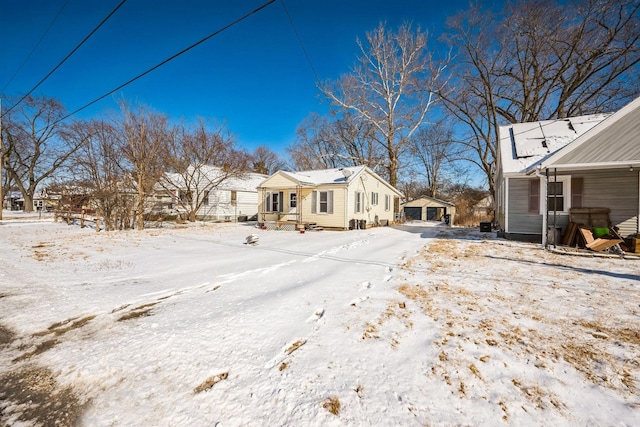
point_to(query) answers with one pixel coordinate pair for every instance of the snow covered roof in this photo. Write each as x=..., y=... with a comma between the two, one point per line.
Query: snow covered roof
x=247, y=182
x=523, y=145
x=327, y=176
x=314, y=178
x=614, y=143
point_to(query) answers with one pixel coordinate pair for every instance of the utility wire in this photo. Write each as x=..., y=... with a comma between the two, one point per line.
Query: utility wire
x=65, y=58
x=36, y=46
x=166, y=60
x=304, y=50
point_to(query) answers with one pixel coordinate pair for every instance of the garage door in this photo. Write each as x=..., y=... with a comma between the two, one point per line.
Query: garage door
x=432, y=214
x=413, y=213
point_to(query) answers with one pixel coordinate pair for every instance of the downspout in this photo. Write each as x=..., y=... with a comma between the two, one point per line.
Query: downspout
x=346, y=208
x=543, y=190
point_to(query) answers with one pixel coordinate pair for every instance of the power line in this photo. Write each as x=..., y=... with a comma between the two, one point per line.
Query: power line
x=166, y=60
x=36, y=46
x=304, y=50
x=65, y=58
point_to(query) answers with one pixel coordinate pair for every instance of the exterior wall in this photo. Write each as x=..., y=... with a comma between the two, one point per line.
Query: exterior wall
x=368, y=184
x=616, y=189
x=520, y=220
x=333, y=220
x=220, y=207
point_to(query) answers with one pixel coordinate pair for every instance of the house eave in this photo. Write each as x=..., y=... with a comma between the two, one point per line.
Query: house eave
x=630, y=164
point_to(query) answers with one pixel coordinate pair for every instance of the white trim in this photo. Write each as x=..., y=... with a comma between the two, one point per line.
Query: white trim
x=505, y=197
x=606, y=123
x=566, y=194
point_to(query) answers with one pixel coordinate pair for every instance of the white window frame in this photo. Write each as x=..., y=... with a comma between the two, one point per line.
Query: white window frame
x=293, y=200
x=374, y=198
x=387, y=202
x=316, y=207
x=359, y=202
x=566, y=194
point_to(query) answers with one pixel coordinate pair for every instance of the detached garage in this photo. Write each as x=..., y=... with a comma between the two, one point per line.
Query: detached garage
x=428, y=209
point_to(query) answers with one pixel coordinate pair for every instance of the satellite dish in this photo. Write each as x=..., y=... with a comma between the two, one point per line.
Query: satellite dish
x=346, y=172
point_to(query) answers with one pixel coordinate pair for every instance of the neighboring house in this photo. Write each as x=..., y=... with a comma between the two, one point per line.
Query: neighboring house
x=547, y=168
x=428, y=209
x=484, y=207
x=342, y=198
x=224, y=197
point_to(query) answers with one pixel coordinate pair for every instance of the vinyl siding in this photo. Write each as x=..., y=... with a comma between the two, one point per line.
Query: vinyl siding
x=616, y=189
x=333, y=220
x=220, y=207
x=520, y=219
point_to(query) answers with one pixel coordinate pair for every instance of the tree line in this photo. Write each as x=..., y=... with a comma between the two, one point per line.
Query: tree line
x=416, y=109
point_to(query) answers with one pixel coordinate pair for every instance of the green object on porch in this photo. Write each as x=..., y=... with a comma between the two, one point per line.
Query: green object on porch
x=600, y=232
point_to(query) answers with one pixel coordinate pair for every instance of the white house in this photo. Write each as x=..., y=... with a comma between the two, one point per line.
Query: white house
x=221, y=196
x=341, y=198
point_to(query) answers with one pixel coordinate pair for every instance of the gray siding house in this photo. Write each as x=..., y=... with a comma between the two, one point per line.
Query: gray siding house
x=547, y=168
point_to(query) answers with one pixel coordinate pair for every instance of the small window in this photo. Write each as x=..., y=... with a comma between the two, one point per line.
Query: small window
x=387, y=202
x=374, y=199
x=205, y=198
x=359, y=201
x=559, y=194
x=234, y=197
x=555, y=194
x=293, y=200
x=322, y=202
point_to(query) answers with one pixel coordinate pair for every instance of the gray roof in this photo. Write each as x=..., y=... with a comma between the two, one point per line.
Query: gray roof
x=613, y=143
x=523, y=145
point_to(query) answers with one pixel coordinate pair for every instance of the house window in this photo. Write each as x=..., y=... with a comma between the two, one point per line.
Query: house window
x=293, y=200
x=273, y=202
x=359, y=201
x=205, y=198
x=234, y=197
x=322, y=202
x=374, y=199
x=387, y=202
x=559, y=194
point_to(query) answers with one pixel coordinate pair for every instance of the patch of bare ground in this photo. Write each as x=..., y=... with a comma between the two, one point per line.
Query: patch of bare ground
x=539, y=398
x=210, y=382
x=140, y=311
x=394, y=310
x=38, y=349
x=332, y=404
x=6, y=335
x=65, y=326
x=31, y=395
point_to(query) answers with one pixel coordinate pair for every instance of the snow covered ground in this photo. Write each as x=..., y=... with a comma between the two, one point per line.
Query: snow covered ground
x=415, y=325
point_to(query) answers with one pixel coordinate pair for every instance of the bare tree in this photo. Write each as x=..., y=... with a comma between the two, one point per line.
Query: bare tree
x=315, y=146
x=392, y=87
x=36, y=144
x=265, y=161
x=433, y=148
x=522, y=66
x=144, y=137
x=99, y=167
x=336, y=141
x=199, y=161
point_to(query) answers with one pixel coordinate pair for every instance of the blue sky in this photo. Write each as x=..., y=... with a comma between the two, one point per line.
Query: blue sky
x=253, y=76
